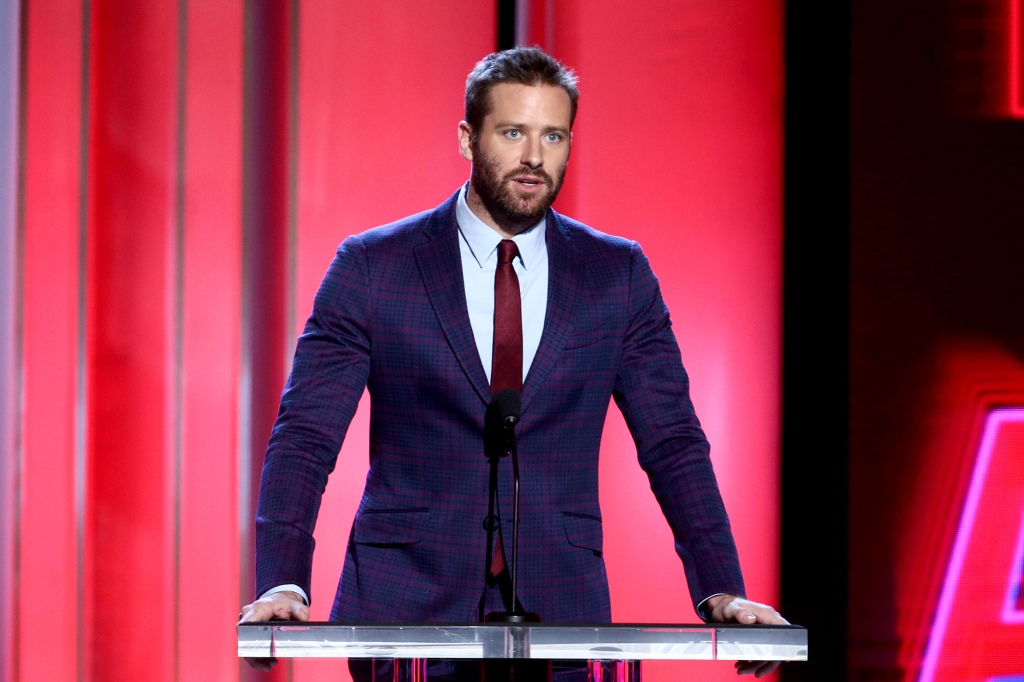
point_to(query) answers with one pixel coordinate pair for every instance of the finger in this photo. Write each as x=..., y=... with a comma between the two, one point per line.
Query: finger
x=768, y=616
x=256, y=611
x=274, y=609
x=751, y=612
x=747, y=667
x=263, y=610
x=740, y=612
x=299, y=611
x=290, y=610
x=756, y=668
x=247, y=613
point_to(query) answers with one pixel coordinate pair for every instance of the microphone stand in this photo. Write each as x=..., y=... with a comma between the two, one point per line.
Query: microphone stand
x=514, y=450
x=516, y=666
x=507, y=405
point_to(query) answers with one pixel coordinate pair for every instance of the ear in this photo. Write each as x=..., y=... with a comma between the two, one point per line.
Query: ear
x=466, y=141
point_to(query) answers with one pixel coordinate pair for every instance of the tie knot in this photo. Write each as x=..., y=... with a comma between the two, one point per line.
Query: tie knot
x=507, y=250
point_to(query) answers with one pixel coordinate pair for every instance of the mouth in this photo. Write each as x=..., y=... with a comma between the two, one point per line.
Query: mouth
x=530, y=183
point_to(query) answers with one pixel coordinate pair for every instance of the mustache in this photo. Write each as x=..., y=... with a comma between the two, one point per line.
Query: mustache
x=529, y=172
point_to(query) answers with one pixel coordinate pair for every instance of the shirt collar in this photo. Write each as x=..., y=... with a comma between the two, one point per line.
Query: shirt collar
x=482, y=240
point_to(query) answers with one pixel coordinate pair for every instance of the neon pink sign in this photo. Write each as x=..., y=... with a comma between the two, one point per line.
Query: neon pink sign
x=978, y=630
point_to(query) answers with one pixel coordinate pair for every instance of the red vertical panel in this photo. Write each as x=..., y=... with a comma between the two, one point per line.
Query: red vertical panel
x=49, y=561
x=129, y=343
x=211, y=326
x=1016, y=58
x=380, y=97
x=678, y=145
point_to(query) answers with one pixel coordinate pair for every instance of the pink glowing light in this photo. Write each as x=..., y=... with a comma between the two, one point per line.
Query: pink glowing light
x=995, y=421
x=1012, y=613
x=1016, y=105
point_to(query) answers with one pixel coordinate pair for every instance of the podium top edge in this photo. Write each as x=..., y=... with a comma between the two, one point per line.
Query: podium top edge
x=435, y=624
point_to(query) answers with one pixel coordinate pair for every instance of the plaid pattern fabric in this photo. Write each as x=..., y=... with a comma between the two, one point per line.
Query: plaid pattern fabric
x=391, y=315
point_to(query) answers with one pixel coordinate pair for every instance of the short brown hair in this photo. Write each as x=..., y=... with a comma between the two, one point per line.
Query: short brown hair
x=522, y=65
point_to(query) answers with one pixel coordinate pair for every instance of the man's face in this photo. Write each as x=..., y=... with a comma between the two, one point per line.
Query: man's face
x=519, y=155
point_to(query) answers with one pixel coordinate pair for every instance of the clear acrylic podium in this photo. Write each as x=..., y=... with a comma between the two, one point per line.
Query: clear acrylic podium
x=613, y=650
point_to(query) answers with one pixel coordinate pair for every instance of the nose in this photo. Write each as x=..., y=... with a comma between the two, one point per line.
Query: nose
x=533, y=153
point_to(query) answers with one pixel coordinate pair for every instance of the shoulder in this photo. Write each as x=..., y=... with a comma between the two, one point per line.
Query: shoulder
x=408, y=232
x=594, y=245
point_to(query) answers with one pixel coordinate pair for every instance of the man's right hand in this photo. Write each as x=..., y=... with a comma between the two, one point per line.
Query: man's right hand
x=278, y=606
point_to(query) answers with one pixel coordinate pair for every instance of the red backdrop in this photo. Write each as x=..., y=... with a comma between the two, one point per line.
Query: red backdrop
x=140, y=358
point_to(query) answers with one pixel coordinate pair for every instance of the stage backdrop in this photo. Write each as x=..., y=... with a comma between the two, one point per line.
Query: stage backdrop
x=936, y=353
x=187, y=171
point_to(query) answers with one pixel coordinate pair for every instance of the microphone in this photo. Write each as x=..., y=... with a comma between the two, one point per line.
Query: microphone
x=506, y=409
x=508, y=406
x=504, y=413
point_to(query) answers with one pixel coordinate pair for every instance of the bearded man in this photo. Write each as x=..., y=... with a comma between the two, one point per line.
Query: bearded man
x=436, y=314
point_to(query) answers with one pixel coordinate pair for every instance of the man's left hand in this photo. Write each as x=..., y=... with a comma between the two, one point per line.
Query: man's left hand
x=728, y=608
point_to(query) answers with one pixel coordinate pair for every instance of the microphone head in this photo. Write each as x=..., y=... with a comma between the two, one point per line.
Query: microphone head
x=508, y=406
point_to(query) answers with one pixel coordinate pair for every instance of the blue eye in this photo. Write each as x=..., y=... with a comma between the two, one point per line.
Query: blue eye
x=513, y=134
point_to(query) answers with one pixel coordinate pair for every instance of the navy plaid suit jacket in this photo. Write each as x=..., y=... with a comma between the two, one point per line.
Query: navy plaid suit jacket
x=391, y=314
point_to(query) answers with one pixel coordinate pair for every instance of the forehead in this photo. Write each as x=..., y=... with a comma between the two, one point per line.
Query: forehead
x=545, y=105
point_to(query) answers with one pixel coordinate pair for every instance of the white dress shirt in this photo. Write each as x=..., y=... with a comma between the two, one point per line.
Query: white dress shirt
x=478, y=245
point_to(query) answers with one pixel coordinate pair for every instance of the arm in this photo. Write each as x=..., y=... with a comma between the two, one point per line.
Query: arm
x=329, y=374
x=652, y=390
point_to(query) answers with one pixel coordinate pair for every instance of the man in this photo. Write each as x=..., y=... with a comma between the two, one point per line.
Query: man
x=419, y=311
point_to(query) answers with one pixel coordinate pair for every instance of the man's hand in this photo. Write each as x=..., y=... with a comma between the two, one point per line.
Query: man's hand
x=728, y=608
x=278, y=606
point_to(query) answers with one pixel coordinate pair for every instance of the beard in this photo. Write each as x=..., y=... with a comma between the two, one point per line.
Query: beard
x=499, y=195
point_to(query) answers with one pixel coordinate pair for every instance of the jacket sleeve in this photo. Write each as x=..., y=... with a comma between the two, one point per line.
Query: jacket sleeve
x=328, y=377
x=652, y=390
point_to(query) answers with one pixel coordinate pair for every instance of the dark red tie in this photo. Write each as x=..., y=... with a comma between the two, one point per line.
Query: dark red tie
x=507, y=353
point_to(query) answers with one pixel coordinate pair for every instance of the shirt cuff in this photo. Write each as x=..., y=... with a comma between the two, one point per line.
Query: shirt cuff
x=296, y=589
x=702, y=607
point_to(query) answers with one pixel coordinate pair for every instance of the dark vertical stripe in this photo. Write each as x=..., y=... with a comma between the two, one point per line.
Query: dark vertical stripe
x=522, y=22
x=815, y=377
x=506, y=35
x=265, y=276
x=179, y=326
x=245, y=568
x=81, y=434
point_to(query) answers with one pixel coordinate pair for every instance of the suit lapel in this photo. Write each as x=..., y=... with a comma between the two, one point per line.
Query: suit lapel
x=440, y=265
x=565, y=275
